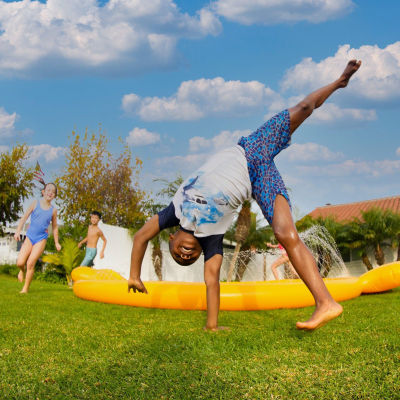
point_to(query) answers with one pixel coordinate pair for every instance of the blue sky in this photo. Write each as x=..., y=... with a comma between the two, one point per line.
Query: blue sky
x=179, y=80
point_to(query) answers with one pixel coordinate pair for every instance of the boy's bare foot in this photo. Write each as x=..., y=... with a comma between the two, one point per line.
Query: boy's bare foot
x=321, y=316
x=23, y=291
x=21, y=276
x=351, y=68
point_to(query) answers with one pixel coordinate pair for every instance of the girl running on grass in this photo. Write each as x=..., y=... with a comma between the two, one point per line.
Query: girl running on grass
x=42, y=213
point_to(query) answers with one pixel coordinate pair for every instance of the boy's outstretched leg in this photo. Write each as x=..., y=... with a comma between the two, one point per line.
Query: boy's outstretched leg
x=326, y=308
x=304, y=109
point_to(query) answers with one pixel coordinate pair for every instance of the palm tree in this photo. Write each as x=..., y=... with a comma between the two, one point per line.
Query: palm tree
x=334, y=229
x=378, y=227
x=156, y=254
x=394, y=231
x=168, y=191
x=256, y=238
x=69, y=257
x=242, y=230
x=355, y=235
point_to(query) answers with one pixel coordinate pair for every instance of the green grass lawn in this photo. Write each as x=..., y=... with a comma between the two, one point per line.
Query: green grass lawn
x=56, y=346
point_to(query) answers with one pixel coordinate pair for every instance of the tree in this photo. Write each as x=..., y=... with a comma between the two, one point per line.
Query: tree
x=248, y=234
x=394, y=231
x=69, y=258
x=242, y=229
x=169, y=187
x=355, y=236
x=16, y=184
x=377, y=225
x=256, y=239
x=93, y=179
x=167, y=192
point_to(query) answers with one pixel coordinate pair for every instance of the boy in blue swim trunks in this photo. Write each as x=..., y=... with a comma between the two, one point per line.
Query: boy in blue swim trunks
x=93, y=236
x=205, y=204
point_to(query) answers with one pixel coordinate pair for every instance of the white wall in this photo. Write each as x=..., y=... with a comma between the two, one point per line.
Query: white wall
x=8, y=250
x=118, y=254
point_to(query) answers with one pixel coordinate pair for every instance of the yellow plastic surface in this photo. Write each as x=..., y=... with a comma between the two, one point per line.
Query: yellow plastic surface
x=108, y=286
x=381, y=279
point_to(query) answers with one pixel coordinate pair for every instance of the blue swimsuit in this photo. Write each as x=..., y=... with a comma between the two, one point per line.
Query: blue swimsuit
x=260, y=148
x=40, y=220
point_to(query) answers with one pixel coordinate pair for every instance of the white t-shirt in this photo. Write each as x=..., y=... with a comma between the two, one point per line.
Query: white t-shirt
x=206, y=202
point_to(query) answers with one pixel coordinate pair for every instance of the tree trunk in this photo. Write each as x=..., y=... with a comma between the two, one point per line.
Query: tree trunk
x=157, y=261
x=233, y=261
x=328, y=265
x=366, y=261
x=398, y=249
x=243, y=263
x=379, y=255
x=265, y=267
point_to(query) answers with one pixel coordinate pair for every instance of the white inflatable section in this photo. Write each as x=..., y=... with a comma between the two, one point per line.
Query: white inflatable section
x=117, y=257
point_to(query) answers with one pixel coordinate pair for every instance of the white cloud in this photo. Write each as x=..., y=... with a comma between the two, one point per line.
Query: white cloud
x=3, y=149
x=187, y=163
x=377, y=80
x=122, y=36
x=398, y=151
x=309, y=152
x=142, y=137
x=201, y=98
x=222, y=140
x=269, y=12
x=211, y=97
x=329, y=113
x=352, y=168
x=46, y=151
x=7, y=123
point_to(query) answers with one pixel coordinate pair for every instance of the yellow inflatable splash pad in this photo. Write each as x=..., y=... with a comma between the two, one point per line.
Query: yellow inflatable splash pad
x=108, y=286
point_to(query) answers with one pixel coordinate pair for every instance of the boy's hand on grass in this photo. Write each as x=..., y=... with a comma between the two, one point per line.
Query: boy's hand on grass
x=136, y=284
x=58, y=246
x=216, y=328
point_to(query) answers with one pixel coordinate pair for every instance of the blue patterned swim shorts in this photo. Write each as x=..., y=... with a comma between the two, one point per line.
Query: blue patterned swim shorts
x=260, y=148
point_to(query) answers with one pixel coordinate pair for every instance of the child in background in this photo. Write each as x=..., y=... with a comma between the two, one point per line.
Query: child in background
x=42, y=213
x=93, y=235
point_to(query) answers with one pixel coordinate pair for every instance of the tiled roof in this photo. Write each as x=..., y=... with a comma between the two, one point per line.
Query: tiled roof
x=346, y=212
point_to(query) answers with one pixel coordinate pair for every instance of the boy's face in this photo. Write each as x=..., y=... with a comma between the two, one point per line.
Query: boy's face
x=94, y=219
x=185, y=249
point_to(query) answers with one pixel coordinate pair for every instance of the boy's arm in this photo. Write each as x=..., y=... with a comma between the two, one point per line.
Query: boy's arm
x=103, y=238
x=211, y=277
x=140, y=241
x=82, y=242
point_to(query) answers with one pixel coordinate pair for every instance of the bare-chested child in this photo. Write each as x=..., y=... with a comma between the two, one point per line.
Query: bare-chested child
x=205, y=205
x=93, y=235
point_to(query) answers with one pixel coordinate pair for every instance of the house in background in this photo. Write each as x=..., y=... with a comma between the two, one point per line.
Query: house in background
x=9, y=248
x=349, y=211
